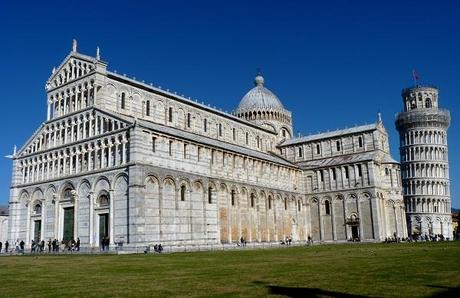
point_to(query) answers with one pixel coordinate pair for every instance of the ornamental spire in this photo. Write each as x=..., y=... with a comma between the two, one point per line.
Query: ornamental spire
x=74, y=45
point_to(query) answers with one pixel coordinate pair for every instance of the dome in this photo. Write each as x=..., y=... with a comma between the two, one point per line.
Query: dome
x=259, y=98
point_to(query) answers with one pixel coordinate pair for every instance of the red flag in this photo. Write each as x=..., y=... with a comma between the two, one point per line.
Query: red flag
x=415, y=75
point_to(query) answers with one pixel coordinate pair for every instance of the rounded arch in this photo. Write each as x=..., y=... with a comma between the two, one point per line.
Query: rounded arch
x=186, y=182
x=65, y=186
x=24, y=197
x=101, y=182
x=37, y=194
x=152, y=178
x=169, y=181
x=352, y=196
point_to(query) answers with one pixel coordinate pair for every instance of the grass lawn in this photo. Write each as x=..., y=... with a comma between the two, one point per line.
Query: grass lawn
x=405, y=270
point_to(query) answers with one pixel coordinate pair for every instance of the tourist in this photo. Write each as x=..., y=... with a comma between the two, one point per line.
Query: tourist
x=42, y=246
x=21, y=246
x=6, y=246
x=77, y=245
x=1, y=247
x=16, y=246
x=32, y=247
x=49, y=245
x=160, y=248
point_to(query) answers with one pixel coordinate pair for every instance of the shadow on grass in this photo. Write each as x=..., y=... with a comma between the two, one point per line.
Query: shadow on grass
x=305, y=292
x=445, y=291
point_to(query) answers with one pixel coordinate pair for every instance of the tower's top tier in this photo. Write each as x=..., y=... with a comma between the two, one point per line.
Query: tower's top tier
x=420, y=97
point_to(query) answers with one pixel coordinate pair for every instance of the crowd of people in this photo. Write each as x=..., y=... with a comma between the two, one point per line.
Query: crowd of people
x=51, y=246
x=417, y=238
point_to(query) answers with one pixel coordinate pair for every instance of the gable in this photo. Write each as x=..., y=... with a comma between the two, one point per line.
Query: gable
x=40, y=140
x=74, y=66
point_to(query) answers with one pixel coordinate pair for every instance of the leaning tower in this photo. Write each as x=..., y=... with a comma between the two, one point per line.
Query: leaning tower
x=422, y=129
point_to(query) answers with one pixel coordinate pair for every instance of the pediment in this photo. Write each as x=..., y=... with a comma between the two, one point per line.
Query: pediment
x=40, y=134
x=73, y=67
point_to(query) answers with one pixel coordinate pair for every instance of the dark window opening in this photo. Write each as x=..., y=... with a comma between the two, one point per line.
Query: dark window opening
x=170, y=115
x=182, y=193
x=209, y=195
x=123, y=100
x=147, y=108
x=189, y=120
x=327, y=207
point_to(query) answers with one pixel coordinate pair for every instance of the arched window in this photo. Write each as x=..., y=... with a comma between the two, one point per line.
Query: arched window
x=38, y=209
x=234, y=133
x=428, y=103
x=189, y=120
x=283, y=133
x=209, y=195
x=182, y=193
x=147, y=108
x=220, y=129
x=68, y=194
x=232, y=195
x=123, y=100
x=299, y=205
x=252, y=200
x=170, y=114
x=285, y=204
x=327, y=207
x=300, y=151
x=337, y=145
x=104, y=200
x=318, y=149
x=205, y=125
x=269, y=202
x=360, y=142
x=247, y=138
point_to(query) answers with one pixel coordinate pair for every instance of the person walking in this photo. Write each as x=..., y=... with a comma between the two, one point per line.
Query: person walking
x=49, y=245
x=21, y=246
x=1, y=247
x=7, y=244
x=77, y=245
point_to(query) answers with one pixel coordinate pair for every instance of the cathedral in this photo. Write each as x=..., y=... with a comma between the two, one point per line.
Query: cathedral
x=120, y=159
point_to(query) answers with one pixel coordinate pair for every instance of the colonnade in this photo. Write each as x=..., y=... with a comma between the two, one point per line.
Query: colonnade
x=73, y=129
x=109, y=151
x=426, y=187
x=427, y=205
x=71, y=99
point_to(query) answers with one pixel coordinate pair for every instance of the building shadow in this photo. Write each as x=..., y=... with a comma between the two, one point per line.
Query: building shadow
x=445, y=291
x=305, y=292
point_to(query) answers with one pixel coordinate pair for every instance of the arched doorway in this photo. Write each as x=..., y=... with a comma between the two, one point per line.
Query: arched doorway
x=68, y=219
x=103, y=213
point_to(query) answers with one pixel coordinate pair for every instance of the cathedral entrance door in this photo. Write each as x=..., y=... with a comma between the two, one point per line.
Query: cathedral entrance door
x=355, y=233
x=103, y=226
x=37, y=230
x=68, y=224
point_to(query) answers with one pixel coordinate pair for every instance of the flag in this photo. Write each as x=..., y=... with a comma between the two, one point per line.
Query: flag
x=415, y=75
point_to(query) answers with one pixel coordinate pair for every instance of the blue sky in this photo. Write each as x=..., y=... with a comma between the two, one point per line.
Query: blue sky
x=332, y=63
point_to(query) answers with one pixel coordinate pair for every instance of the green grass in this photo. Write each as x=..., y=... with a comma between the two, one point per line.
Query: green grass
x=405, y=270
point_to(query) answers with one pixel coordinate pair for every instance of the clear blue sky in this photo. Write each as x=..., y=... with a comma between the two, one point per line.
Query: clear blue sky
x=333, y=64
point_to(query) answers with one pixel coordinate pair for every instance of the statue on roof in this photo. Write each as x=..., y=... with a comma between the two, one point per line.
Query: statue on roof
x=74, y=45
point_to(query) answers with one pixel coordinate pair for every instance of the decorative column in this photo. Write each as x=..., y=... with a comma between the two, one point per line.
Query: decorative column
x=91, y=219
x=43, y=225
x=111, y=215
x=56, y=216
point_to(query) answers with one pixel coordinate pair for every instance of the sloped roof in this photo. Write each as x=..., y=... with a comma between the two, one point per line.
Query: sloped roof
x=331, y=134
x=377, y=156
x=214, y=143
